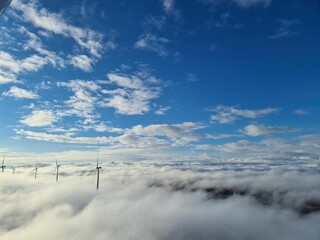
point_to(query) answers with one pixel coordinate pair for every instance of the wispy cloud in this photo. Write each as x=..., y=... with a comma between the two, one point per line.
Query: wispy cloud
x=52, y=22
x=192, y=77
x=229, y=114
x=170, y=9
x=252, y=3
x=17, y=92
x=221, y=136
x=162, y=110
x=258, y=130
x=301, y=112
x=180, y=133
x=303, y=147
x=240, y=3
x=153, y=43
x=285, y=29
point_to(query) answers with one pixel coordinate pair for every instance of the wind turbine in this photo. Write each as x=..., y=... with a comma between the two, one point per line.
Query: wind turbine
x=3, y=5
x=3, y=166
x=57, y=168
x=35, y=171
x=97, y=172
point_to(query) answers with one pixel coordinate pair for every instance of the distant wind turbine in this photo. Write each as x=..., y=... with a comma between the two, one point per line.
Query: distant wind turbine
x=35, y=171
x=97, y=172
x=3, y=5
x=3, y=166
x=57, y=168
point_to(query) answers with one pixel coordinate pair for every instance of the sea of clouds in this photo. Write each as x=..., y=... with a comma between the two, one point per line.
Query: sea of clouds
x=153, y=201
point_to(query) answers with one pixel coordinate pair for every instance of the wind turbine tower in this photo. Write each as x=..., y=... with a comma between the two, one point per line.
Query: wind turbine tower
x=98, y=172
x=3, y=166
x=57, y=168
x=35, y=171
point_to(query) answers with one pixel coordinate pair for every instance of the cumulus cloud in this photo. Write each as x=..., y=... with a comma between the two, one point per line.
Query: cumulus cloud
x=83, y=101
x=11, y=67
x=82, y=62
x=39, y=118
x=133, y=93
x=164, y=201
x=17, y=92
x=229, y=114
x=258, y=130
x=153, y=43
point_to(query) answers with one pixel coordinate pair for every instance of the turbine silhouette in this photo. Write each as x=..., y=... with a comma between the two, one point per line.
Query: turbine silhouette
x=35, y=170
x=3, y=166
x=97, y=172
x=3, y=5
x=57, y=168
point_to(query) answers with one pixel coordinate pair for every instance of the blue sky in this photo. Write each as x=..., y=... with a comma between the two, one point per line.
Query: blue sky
x=160, y=79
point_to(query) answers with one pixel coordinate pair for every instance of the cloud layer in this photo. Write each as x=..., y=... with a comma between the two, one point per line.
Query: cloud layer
x=147, y=201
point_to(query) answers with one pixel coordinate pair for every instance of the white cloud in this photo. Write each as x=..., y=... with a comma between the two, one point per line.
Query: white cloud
x=180, y=133
x=285, y=29
x=39, y=118
x=153, y=43
x=170, y=9
x=192, y=78
x=303, y=147
x=133, y=93
x=227, y=114
x=240, y=3
x=150, y=194
x=301, y=111
x=252, y=3
x=55, y=23
x=82, y=62
x=83, y=101
x=35, y=43
x=162, y=110
x=168, y=5
x=17, y=92
x=10, y=67
x=258, y=130
x=221, y=136
x=61, y=138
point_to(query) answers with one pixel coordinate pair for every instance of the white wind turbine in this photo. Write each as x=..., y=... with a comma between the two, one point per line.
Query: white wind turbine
x=57, y=170
x=97, y=172
x=35, y=170
x=3, y=166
